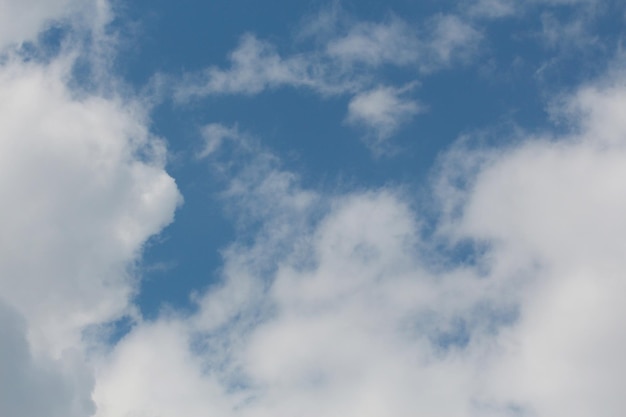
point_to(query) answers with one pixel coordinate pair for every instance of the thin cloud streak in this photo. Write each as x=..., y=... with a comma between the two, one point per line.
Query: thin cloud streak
x=348, y=63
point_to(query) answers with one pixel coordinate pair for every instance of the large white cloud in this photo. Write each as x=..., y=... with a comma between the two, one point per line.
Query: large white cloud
x=558, y=205
x=83, y=186
x=340, y=307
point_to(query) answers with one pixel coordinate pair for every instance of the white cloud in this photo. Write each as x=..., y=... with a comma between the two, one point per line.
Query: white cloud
x=340, y=307
x=569, y=37
x=331, y=309
x=336, y=305
x=162, y=377
x=382, y=111
x=444, y=39
x=450, y=40
x=553, y=208
x=23, y=20
x=496, y=9
x=83, y=187
x=337, y=329
x=256, y=65
x=214, y=135
x=394, y=42
x=348, y=320
x=347, y=63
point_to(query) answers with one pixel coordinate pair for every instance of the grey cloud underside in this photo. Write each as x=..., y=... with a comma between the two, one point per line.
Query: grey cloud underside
x=40, y=387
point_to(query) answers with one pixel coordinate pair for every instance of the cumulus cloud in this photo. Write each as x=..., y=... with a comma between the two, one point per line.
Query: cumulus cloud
x=340, y=304
x=557, y=204
x=333, y=308
x=330, y=303
x=83, y=186
x=316, y=317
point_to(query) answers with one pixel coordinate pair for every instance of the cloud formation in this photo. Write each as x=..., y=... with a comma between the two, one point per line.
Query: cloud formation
x=83, y=186
x=331, y=69
x=382, y=111
x=342, y=306
x=331, y=303
x=348, y=62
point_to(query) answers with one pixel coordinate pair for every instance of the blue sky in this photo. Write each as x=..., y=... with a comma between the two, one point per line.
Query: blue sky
x=324, y=208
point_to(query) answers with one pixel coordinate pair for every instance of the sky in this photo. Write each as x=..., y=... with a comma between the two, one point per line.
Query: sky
x=312, y=209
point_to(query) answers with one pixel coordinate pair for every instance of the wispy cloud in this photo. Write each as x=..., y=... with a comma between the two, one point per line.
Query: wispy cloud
x=255, y=66
x=347, y=63
x=214, y=135
x=382, y=111
x=492, y=9
x=498, y=9
x=394, y=42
